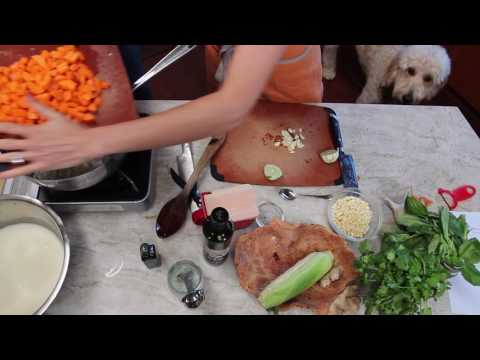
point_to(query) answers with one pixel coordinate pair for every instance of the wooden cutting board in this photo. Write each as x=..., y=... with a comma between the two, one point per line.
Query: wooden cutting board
x=105, y=61
x=250, y=146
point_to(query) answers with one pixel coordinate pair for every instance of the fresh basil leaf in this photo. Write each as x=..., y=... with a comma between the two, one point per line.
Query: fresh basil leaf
x=444, y=222
x=422, y=229
x=471, y=274
x=455, y=262
x=396, y=238
x=470, y=251
x=458, y=226
x=432, y=246
x=408, y=220
x=415, y=207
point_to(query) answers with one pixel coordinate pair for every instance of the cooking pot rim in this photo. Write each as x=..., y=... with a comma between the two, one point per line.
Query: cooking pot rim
x=66, y=245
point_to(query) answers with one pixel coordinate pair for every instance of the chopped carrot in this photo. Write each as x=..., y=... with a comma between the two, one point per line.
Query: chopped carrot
x=92, y=108
x=67, y=95
x=44, y=97
x=32, y=116
x=88, y=117
x=68, y=84
x=59, y=79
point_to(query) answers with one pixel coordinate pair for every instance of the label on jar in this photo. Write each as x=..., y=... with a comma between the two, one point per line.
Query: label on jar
x=215, y=256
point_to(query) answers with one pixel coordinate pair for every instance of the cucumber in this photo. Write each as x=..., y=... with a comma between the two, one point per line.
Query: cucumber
x=303, y=275
x=329, y=156
x=272, y=172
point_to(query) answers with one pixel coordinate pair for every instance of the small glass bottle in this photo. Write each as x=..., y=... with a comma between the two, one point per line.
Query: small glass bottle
x=218, y=231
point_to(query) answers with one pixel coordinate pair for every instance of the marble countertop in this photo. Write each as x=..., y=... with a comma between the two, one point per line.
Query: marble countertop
x=395, y=148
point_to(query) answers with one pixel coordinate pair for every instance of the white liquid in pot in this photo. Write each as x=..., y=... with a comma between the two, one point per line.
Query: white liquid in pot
x=31, y=260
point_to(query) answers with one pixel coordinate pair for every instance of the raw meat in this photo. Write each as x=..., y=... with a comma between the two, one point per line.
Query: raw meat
x=264, y=254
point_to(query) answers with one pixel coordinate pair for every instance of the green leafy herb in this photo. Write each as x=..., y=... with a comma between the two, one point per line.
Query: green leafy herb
x=364, y=247
x=444, y=221
x=415, y=207
x=458, y=227
x=470, y=251
x=471, y=274
x=416, y=261
x=408, y=220
x=433, y=245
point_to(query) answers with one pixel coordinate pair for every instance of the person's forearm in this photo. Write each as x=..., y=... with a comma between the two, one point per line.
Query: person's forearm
x=208, y=116
x=215, y=114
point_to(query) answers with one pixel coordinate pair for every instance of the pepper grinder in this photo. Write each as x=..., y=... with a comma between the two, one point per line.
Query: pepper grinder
x=185, y=281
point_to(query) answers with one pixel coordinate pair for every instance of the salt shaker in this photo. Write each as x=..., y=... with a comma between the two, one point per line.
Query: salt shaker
x=149, y=256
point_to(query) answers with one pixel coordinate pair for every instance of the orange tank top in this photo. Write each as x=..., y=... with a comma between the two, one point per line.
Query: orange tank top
x=297, y=78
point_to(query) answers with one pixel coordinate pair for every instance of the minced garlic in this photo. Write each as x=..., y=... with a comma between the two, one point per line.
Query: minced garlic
x=352, y=215
x=291, y=140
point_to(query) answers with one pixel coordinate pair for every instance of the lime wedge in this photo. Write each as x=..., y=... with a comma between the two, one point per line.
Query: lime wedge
x=329, y=156
x=272, y=172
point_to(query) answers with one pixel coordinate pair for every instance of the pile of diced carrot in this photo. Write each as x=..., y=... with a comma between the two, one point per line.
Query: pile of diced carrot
x=59, y=79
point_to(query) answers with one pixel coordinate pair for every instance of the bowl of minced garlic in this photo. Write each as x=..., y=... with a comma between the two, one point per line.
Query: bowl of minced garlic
x=353, y=215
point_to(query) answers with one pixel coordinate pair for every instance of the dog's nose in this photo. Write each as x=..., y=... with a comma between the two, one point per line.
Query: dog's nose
x=407, y=99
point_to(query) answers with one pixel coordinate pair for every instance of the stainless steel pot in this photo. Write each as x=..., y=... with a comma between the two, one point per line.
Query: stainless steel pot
x=79, y=177
x=16, y=209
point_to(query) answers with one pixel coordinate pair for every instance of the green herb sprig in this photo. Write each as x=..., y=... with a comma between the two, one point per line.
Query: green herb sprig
x=416, y=261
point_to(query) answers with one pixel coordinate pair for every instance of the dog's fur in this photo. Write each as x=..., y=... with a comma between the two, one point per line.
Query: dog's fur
x=399, y=74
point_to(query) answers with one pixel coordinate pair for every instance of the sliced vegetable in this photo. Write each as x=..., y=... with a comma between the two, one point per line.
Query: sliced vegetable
x=303, y=275
x=272, y=172
x=329, y=156
x=59, y=79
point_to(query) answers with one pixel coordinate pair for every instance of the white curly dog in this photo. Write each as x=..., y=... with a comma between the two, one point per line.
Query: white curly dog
x=398, y=74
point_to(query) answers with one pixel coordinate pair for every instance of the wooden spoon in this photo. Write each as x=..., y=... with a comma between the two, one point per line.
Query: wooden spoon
x=174, y=212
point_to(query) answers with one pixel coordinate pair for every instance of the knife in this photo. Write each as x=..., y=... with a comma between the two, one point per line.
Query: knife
x=347, y=164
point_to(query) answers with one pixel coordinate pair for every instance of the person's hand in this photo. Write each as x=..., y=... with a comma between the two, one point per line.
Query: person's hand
x=58, y=143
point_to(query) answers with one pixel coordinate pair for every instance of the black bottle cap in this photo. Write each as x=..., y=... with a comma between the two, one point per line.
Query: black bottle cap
x=220, y=215
x=218, y=222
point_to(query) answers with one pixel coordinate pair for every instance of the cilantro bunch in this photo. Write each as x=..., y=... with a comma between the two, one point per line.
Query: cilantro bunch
x=415, y=262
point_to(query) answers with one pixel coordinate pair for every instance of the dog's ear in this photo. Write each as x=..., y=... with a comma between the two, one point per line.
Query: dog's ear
x=443, y=83
x=438, y=86
x=391, y=72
